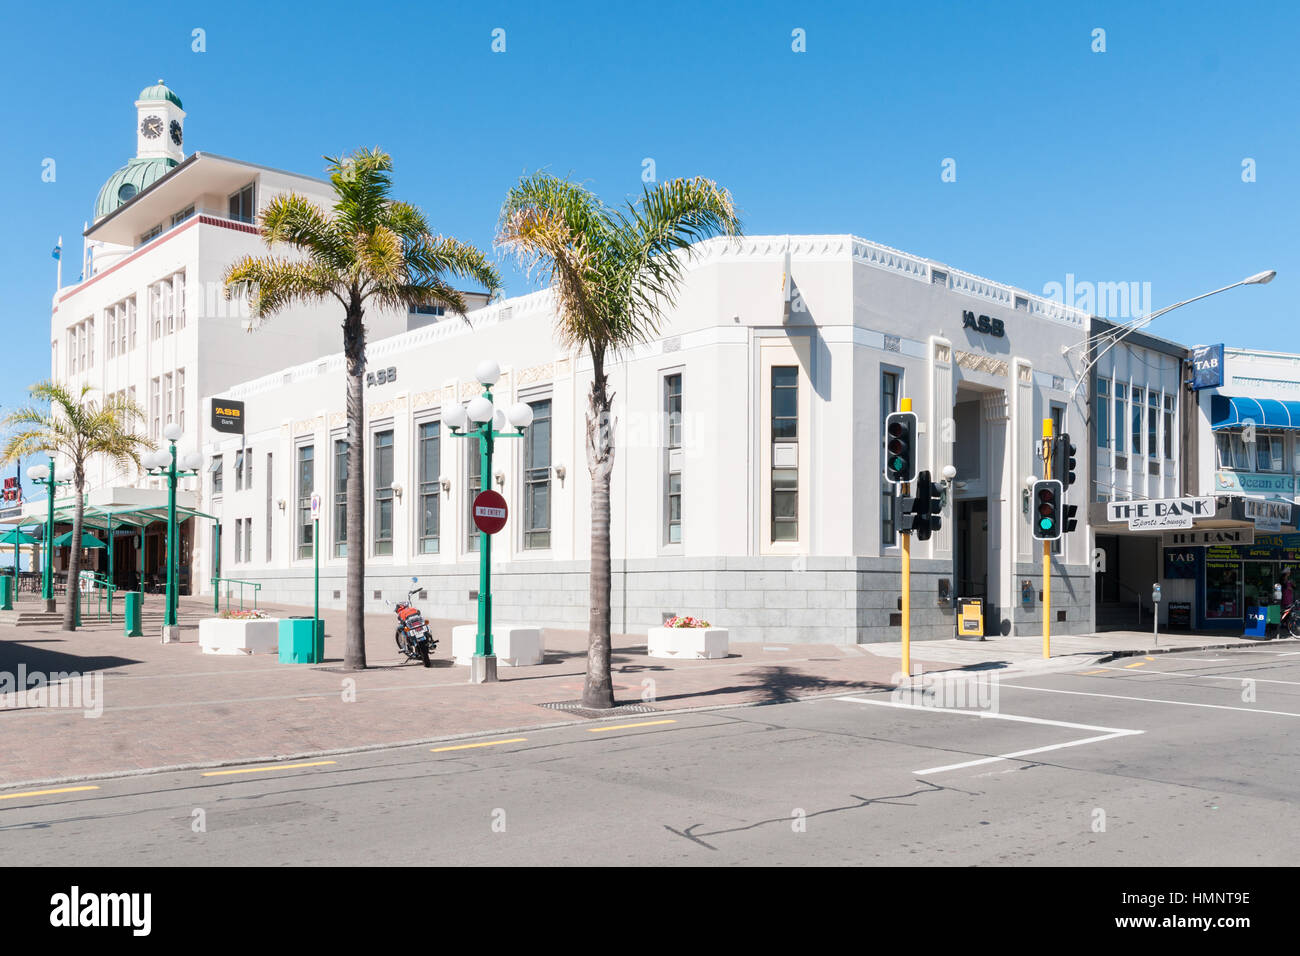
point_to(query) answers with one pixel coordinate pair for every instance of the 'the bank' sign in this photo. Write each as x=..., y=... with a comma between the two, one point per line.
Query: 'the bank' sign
x=1156, y=513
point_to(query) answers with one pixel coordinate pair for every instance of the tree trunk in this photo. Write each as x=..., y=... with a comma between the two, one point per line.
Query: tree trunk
x=354, y=348
x=74, y=560
x=598, y=688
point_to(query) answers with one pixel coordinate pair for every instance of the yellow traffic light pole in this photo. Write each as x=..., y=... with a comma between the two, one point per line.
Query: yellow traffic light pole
x=905, y=405
x=1047, y=548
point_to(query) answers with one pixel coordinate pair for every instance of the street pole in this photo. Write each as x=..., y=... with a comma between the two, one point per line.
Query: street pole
x=905, y=405
x=315, y=557
x=483, y=642
x=1047, y=549
x=47, y=587
x=169, y=619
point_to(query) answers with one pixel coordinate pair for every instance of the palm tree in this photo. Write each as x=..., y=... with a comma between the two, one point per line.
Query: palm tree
x=612, y=272
x=66, y=421
x=369, y=249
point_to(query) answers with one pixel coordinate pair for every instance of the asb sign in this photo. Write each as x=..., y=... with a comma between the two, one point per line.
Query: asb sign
x=489, y=511
x=1207, y=366
x=985, y=325
x=228, y=416
x=1153, y=514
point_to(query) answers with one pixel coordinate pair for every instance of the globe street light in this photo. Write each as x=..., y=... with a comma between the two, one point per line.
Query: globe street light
x=483, y=421
x=164, y=464
x=49, y=476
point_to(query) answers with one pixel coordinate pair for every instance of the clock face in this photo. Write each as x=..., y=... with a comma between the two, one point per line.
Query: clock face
x=176, y=132
x=127, y=192
x=151, y=126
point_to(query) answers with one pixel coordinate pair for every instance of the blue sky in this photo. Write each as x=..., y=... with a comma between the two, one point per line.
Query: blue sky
x=1117, y=166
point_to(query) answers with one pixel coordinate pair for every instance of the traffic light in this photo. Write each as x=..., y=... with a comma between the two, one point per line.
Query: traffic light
x=1070, y=523
x=900, y=447
x=927, y=509
x=1045, y=502
x=905, y=514
x=1063, y=460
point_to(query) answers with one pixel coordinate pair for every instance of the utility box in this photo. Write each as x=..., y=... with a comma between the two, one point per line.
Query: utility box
x=298, y=643
x=6, y=593
x=132, y=625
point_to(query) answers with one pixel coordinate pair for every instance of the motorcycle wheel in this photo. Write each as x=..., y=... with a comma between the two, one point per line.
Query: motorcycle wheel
x=423, y=647
x=402, y=646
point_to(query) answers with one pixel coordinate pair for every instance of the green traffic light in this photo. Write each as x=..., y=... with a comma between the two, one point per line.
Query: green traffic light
x=897, y=464
x=1045, y=524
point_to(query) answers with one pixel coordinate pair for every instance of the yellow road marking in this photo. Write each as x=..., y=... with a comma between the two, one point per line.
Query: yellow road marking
x=1090, y=673
x=42, y=793
x=1138, y=664
x=1151, y=658
x=644, y=723
x=490, y=743
x=287, y=766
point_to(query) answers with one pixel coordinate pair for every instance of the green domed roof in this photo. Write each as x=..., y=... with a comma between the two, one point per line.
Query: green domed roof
x=135, y=177
x=160, y=92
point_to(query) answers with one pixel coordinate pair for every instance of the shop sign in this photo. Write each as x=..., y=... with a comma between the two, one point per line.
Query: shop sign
x=228, y=416
x=1180, y=563
x=1209, y=537
x=1207, y=367
x=1180, y=614
x=1152, y=514
x=983, y=324
x=1254, y=484
x=1267, y=515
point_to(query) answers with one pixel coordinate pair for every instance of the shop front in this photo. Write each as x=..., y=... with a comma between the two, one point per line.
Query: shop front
x=1233, y=581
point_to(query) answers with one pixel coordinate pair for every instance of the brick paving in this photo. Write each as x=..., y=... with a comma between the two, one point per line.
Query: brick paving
x=171, y=705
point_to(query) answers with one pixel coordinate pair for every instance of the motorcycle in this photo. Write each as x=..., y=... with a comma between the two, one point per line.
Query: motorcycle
x=414, y=639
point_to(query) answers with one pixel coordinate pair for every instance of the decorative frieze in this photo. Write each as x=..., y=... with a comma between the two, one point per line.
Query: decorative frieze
x=978, y=362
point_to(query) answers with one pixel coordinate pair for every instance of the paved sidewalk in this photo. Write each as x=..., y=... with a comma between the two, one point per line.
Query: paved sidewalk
x=171, y=705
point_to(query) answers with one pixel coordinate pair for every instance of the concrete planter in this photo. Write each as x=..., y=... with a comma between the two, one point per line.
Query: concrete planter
x=689, y=643
x=513, y=645
x=223, y=636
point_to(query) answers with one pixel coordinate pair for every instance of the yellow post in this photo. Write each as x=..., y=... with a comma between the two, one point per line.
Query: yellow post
x=905, y=405
x=1047, y=551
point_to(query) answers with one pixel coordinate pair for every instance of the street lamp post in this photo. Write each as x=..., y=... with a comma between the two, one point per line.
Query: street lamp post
x=48, y=476
x=488, y=422
x=164, y=463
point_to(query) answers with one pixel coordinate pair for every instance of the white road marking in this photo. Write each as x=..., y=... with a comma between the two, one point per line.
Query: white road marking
x=1154, y=700
x=1110, y=732
x=1257, y=680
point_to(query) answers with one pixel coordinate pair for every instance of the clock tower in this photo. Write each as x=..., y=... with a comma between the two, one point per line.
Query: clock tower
x=160, y=124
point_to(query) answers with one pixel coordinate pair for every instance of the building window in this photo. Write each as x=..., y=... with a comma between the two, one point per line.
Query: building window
x=155, y=312
x=1269, y=453
x=673, y=459
x=430, y=441
x=1153, y=424
x=131, y=318
x=248, y=540
x=340, y=498
x=89, y=336
x=239, y=471
x=152, y=234
x=269, y=504
x=178, y=300
x=306, y=485
x=180, y=406
x=1121, y=393
x=436, y=310
x=537, y=477
x=239, y=539
x=785, y=453
x=473, y=485
x=111, y=340
x=155, y=409
x=169, y=398
x=382, y=475
x=1135, y=409
x=217, y=477
x=1103, y=413
x=1169, y=426
x=1232, y=451
x=181, y=216
x=888, y=405
x=243, y=206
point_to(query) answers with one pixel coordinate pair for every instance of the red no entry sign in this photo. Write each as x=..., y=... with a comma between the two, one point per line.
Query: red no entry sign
x=489, y=512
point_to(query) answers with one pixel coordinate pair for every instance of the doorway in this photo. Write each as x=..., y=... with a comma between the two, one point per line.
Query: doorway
x=971, y=554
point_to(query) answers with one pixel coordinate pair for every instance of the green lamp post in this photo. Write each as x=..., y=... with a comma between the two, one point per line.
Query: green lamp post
x=165, y=464
x=48, y=476
x=481, y=420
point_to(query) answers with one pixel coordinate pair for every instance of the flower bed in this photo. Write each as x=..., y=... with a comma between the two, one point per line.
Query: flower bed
x=676, y=621
x=252, y=615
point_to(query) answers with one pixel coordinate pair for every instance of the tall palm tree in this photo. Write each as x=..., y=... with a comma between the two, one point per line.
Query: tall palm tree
x=369, y=249
x=68, y=422
x=613, y=270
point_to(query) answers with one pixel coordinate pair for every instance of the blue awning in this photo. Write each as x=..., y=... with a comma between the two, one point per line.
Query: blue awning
x=1228, y=412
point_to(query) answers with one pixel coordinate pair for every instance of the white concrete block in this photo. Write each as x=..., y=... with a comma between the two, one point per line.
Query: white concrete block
x=224, y=636
x=698, y=643
x=515, y=645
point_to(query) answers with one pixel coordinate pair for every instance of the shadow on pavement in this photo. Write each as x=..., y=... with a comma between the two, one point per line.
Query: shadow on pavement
x=778, y=684
x=48, y=661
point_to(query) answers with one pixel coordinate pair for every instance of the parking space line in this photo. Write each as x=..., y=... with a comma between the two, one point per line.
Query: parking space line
x=644, y=723
x=1236, y=679
x=1110, y=733
x=1152, y=700
x=489, y=743
x=286, y=766
x=43, y=793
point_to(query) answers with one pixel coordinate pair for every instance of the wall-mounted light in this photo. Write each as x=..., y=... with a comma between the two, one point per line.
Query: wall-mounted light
x=445, y=482
x=397, y=491
x=1024, y=492
x=949, y=473
x=280, y=504
x=560, y=472
x=500, y=476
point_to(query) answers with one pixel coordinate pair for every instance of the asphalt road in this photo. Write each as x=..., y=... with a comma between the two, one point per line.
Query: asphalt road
x=1185, y=759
